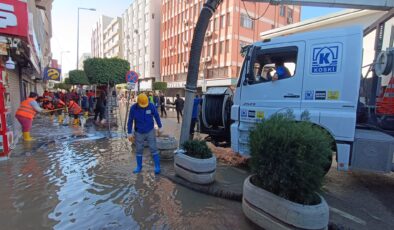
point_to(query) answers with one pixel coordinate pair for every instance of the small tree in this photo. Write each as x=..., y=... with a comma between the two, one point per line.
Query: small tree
x=78, y=77
x=197, y=149
x=106, y=70
x=159, y=86
x=289, y=157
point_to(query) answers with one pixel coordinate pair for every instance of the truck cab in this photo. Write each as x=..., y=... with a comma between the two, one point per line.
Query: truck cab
x=317, y=73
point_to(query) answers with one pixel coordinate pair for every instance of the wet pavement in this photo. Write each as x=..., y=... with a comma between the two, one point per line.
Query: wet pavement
x=70, y=179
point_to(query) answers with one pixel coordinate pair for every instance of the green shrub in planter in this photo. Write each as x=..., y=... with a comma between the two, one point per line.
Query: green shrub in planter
x=197, y=149
x=288, y=158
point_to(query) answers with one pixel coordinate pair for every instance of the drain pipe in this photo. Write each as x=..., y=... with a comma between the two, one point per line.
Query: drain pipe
x=194, y=62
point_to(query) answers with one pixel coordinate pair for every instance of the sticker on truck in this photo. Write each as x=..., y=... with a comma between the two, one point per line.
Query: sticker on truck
x=309, y=94
x=326, y=58
x=320, y=95
x=332, y=95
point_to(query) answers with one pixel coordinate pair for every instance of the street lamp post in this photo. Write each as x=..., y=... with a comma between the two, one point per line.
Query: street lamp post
x=80, y=8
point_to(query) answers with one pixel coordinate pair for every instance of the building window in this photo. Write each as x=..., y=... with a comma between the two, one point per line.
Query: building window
x=246, y=21
x=216, y=24
x=282, y=11
x=221, y=47
x=214, y=49
x=290, y=15
x=222, y=22
x=227, y=46
x=228, y=20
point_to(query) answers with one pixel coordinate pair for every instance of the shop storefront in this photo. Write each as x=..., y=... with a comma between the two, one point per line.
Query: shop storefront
x=20, y=68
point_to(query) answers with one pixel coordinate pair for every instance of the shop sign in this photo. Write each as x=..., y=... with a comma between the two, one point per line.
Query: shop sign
x=52, y=74
x=14, y=18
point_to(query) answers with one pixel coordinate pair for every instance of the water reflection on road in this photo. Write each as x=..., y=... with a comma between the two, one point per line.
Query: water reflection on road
x=87, y=183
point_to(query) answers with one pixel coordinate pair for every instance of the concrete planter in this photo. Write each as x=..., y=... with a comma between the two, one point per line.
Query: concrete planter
x=273, y=212
x=167, y=146
x=199, y=171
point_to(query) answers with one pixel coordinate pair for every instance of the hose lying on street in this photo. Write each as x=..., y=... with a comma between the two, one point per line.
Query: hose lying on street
x=211, y=189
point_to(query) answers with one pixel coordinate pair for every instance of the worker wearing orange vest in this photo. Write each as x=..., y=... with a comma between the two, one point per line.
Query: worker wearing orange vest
x=74, y=109
x=48, y=105
x=25, y=114
x=59, y=104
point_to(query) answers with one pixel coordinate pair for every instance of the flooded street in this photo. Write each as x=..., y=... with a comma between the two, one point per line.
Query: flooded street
x=65, y=180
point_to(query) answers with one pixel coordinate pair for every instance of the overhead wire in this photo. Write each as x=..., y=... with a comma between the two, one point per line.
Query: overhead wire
x=259, y=17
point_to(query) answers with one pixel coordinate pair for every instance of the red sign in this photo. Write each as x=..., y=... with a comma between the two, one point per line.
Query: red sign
x=14, y=19
x=132, y=76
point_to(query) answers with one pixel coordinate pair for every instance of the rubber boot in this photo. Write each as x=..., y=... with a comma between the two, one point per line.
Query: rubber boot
x=86, y=114
x=156, y=160
x=60, y=119
x=27, y=137
x=76, y=122
x=139, y=164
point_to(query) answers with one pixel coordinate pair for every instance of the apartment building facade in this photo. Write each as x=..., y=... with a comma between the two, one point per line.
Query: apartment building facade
x=97, y=38
x=141, y=35
x=113, y=39
x=233, y=25
x=83, y=57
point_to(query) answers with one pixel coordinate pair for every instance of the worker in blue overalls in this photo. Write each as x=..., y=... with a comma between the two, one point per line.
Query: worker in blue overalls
x=142, y=114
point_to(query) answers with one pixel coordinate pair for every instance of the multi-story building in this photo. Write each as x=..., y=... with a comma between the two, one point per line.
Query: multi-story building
x=83, y=57
x=97, y=38
x=234, y=24
x=113, y=38
x=141, y=31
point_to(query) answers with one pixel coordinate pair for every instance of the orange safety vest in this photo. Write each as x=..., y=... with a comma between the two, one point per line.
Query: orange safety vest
x=74, y=107
x=60, y=104
x=26, y=110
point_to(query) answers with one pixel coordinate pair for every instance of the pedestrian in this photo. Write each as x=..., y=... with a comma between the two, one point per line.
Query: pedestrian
x=179, y=103
x=85, y=105
x=91, y=101
x=142, y=114
x=25, y=114
x=75, y=110
x=156, y=101
x=196, y=104
x=163, y=105
x=100, y=108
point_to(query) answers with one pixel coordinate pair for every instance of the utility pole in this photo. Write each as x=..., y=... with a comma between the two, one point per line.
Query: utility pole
x=80, y=8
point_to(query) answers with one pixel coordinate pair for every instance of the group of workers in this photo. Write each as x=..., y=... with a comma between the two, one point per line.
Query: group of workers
x=140, y=122
x=52, y=103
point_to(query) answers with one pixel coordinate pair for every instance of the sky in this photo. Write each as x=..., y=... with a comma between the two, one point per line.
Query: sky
x=64, y=24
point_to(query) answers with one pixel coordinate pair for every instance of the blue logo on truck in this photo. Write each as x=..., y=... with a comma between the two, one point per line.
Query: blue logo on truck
x=325, y=59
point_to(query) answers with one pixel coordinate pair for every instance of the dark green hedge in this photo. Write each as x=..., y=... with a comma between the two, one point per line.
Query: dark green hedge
x=78, y=77
x=159, y=86
x=288, y=157
x=104, y=70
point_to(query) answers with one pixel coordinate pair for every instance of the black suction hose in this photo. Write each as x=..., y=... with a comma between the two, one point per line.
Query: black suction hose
x=194, y=63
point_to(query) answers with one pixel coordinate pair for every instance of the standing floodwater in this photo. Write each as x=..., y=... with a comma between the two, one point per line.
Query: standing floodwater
x=66, y=180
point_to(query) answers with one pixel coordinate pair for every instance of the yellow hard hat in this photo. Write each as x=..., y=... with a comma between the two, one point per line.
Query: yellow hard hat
x=142, y=100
